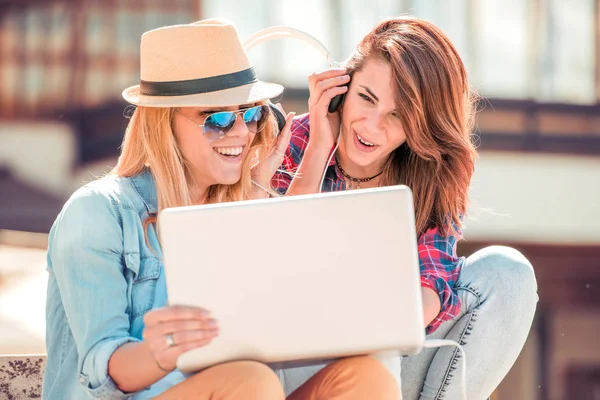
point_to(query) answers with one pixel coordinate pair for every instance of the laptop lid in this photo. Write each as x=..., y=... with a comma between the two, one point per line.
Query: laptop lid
x=298, y=278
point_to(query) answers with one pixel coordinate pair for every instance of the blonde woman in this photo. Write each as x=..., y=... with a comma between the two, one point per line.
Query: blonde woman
x=202, y=133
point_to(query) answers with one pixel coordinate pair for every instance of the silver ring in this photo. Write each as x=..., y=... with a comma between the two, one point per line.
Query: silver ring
x=279, y=154
x=170, y=341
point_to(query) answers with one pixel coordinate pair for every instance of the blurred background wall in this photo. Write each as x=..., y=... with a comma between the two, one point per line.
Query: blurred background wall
x=63, y=65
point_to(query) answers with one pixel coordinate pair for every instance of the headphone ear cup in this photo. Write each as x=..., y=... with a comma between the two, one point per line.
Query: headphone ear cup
x=335, y=103
x=278, y=116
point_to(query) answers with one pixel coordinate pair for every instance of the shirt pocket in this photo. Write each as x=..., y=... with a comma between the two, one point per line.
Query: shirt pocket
x=143, y=285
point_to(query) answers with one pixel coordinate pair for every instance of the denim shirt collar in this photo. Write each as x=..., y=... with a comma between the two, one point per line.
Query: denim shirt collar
x=146, y=188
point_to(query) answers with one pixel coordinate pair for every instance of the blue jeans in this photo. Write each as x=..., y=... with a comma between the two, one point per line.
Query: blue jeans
x=498, y=291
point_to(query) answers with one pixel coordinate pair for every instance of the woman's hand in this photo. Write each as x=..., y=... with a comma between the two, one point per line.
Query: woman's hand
x=324, y=130
x=323, y=87
x=173, y=330
x=263, y=172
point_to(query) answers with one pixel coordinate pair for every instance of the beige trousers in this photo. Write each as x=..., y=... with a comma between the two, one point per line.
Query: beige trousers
x=354, y=378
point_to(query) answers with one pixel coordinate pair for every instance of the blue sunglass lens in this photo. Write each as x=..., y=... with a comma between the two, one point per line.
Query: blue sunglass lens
x=253, y=115
x=218, y=124
x=221, y=119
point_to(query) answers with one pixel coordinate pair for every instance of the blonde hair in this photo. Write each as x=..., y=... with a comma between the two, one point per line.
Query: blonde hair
x=150, y=144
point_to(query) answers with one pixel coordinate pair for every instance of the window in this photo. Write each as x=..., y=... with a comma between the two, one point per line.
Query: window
x=78, y=53
x=538, y=49
x=567, y=65
x=500, y=47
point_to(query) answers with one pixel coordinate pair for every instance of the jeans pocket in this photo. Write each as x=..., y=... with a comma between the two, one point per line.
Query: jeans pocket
x=469, y=301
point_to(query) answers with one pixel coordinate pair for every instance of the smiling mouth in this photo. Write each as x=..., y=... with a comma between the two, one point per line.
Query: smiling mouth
x=363, y=141
x=229, y=152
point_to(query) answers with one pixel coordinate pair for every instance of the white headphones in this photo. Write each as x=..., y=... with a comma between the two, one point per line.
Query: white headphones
x=279, y=32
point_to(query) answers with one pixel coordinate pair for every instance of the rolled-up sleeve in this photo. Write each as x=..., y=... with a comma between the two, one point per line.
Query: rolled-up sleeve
x=440, y=269
x=85, y=253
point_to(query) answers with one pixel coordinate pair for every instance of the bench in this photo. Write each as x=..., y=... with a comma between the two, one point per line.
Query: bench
x=21, y=376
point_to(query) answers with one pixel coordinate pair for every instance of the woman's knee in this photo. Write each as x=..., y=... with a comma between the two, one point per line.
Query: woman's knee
x=259, y=380
x=369, y=375
x=252, y=380
x=501, y=268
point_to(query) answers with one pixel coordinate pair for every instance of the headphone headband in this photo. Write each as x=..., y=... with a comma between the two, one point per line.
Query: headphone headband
x=280, y=31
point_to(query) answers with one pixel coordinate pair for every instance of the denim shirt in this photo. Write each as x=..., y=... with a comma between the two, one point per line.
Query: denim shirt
x=103, y=278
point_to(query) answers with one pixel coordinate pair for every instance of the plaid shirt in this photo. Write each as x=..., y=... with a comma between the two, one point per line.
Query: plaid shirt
x=439, y=264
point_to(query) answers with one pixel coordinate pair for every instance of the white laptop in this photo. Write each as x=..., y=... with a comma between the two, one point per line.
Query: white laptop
x=298, y=279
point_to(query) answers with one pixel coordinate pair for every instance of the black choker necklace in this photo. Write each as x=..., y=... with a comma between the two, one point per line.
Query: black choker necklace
x=352, y=179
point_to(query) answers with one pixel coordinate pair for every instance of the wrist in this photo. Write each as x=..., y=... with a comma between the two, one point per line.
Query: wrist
x=164, y=370
x=163, y=367
x=259, y=191
x=318, y=148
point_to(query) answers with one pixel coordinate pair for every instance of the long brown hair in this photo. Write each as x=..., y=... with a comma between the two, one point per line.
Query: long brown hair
x=436, y=108
x=149, y=143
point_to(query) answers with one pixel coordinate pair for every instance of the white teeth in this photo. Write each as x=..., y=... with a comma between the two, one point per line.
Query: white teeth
x=229, y=151
x=364, y=141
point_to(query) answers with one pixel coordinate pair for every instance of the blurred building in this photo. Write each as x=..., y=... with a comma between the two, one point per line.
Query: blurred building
x=63, y=65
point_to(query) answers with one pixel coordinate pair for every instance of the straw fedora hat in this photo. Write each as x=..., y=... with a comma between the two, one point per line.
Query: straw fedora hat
x=201, y=64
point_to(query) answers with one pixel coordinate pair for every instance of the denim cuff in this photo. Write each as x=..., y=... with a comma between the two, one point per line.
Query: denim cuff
x=97, y=383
